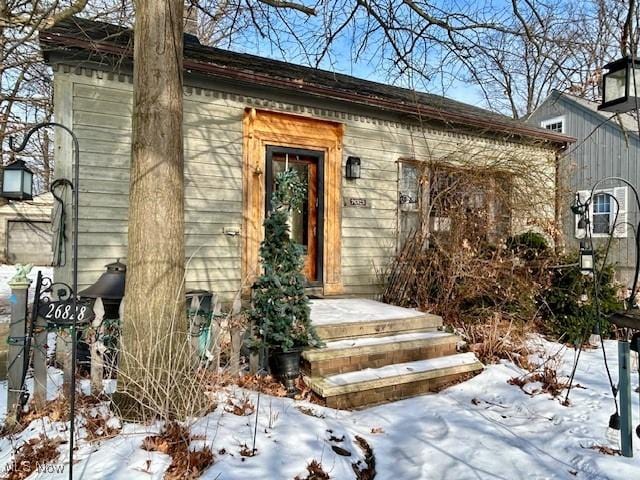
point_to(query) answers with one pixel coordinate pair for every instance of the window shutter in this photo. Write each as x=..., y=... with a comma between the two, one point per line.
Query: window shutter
x=620, y=228
x=583, y=196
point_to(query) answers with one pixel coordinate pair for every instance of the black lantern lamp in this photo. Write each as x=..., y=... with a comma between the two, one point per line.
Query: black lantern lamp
x=353, y=168
x=620, y=92
x=110, y=288
x=17, y=181
x=586, y=259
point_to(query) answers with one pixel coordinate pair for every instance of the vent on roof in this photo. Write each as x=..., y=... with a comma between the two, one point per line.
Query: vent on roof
x=190, y=39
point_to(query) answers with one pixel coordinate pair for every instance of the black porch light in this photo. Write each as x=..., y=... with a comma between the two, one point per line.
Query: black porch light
x=620, y=86
x=17, y=181
x=353, y=168
x=586, y=259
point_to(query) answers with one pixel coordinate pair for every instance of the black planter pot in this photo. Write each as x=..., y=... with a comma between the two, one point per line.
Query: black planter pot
x=285, y=366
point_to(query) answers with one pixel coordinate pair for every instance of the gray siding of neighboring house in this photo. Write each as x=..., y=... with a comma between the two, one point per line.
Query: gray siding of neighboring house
x=602, y=150
x=99, y=106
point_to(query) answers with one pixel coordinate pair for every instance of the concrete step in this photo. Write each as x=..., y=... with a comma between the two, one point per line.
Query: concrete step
x=393, y=382
x=420, y=323
x=348, y=317
x=348, y=355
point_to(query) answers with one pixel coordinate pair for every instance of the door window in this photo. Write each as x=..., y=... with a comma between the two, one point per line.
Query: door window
x=306, y=223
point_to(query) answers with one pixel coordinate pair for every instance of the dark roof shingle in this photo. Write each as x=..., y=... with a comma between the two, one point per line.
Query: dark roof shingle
x=86, y=39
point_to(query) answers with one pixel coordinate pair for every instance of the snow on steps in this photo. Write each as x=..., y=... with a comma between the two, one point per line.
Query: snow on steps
x=370, y=352
x=393, y=382
x=376, y=353
x=348, y=318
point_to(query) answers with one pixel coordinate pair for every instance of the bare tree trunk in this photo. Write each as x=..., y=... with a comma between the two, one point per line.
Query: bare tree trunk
x=154, y=324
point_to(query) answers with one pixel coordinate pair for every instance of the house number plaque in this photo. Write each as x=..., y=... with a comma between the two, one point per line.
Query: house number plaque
x=357, y=203
x=61, y=312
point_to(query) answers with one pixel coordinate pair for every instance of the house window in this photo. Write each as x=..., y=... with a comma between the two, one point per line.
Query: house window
x=409, y=186
x=602, y=213
x=607, y=213
x=442, y=200
x=554, y=124
x=409, y=196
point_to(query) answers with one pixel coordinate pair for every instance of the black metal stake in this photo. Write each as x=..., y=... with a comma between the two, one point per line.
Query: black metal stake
x=75, y=207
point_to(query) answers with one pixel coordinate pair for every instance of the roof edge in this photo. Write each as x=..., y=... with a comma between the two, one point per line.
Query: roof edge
x=604, y=120
x=236, y=74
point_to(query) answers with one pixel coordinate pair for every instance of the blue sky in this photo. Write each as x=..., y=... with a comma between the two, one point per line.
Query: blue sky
x=342, y=62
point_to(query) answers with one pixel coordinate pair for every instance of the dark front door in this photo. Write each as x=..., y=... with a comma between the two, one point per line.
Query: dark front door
x=306, y=225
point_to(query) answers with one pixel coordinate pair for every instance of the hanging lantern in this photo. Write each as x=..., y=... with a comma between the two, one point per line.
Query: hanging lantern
x=17, y=181
x=353, y=168
x=619, y=84
x=586, y=259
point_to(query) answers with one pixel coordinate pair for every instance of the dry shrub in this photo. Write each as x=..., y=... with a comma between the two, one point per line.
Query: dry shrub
x=310, y=411
x=546, y=375
x=459, y=261
x=165, y=384
x=269, y=385
x=242, y=407
x=97, y=428
x=57, y=410
x=365, y=470
x=37, y=451
x=175, y=440
x=174, y=377
x=606, y=450
x=315, y=472
x=245, y=451
x=497, y=339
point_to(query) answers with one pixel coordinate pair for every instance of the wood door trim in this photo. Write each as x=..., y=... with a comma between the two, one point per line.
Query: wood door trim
x=312, y=224
x=262, y=128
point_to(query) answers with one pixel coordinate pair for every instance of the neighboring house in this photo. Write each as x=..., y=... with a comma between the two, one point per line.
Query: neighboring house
x=245, y=119
x=606, y=146
x=25, y=231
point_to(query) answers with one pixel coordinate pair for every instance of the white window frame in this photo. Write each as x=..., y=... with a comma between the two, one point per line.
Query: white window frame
x=561, y=119
x=621, y=198
x=612, y=212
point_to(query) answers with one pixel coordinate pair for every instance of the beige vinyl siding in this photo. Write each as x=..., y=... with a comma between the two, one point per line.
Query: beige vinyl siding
x=370, y=235
x=213, y=175
x=213, y=182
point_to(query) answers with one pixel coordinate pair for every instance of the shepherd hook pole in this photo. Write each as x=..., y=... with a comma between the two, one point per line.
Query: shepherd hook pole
x=75, y=205
x=626, y=421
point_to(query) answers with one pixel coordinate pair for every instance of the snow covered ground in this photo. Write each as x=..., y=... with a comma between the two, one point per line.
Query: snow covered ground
x=484, y=428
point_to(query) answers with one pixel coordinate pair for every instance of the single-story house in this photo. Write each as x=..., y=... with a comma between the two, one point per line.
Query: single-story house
x=246, y=118
x=25, y=231
x=606, y=146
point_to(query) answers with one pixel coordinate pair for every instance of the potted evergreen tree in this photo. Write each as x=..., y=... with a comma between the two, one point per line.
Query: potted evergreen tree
x=280, y=307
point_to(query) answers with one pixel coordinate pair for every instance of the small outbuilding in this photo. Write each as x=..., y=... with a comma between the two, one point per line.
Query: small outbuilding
x=25, y=231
